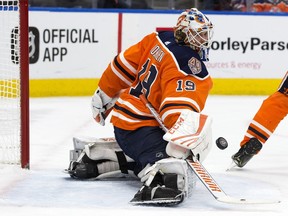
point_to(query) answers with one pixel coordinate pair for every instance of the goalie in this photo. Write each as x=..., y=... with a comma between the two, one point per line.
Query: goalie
x=168, y=68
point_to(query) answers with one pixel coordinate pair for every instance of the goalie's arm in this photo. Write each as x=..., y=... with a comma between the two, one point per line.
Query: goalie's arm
x=119, y=75
x=101, y=105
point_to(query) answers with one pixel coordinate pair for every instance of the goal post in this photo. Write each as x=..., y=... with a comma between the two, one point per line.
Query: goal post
x=24, y=82
x=14, y=83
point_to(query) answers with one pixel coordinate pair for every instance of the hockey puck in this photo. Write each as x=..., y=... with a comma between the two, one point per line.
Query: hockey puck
x=221, y=143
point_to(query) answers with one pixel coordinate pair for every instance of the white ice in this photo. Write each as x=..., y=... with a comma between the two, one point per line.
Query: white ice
x=45, y=190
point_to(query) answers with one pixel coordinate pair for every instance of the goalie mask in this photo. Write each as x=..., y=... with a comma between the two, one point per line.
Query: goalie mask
x=194, y=29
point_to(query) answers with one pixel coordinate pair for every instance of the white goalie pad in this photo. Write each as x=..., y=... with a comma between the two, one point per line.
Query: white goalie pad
x=192, y=131
x=98, y=149
x=186, y=179
x=79, y=144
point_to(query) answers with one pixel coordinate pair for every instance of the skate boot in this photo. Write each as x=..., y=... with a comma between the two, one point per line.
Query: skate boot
x=84, y=169
x=246, y=152
x=161, y=192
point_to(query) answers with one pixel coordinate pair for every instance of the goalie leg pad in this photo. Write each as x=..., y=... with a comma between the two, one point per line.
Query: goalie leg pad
x=168, y=179
x=79, y=144
x=98, y=159
x=177, y=151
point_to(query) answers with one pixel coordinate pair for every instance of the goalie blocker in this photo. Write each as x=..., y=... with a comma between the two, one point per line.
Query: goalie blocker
x=191, y=132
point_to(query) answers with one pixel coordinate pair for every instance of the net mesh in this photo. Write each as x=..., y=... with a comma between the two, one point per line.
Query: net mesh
x=9, y=83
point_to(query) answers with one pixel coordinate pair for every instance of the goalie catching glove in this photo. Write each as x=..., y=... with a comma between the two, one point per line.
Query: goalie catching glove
x=101, y=105
x=191, y=132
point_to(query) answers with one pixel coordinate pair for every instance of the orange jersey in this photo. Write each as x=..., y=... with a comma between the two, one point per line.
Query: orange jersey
x=269, y=115
x=171, y=76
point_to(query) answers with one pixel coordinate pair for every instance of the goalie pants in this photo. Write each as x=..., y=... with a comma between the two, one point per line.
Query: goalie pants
x=144, y=145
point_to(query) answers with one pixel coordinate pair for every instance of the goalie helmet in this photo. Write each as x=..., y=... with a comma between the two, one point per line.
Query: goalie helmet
x=194, y=29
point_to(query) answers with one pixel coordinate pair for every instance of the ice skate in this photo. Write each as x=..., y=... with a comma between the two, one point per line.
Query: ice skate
x=246, y=152
x=158, y=193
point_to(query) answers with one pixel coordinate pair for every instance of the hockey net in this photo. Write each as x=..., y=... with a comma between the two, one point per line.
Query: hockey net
x=14, y=83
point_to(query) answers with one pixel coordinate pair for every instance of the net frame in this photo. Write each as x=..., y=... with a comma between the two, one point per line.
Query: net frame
x=24, y=82
x=14, y=83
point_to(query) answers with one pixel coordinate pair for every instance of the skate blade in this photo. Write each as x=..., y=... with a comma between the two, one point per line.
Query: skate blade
x=232, y=166
x=158, y=202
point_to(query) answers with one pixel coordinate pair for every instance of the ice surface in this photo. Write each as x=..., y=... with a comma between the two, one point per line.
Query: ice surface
x=46, y=190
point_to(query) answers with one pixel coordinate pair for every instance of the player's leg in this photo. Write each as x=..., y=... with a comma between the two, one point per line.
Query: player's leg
x=144, y=145
x=270, y=114
x=99, y=158
x=163, y=178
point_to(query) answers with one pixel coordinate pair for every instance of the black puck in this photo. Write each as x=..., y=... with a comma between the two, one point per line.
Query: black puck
x=221, y=143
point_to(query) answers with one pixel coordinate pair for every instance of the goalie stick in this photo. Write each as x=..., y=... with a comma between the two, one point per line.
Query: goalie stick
x=203, y=175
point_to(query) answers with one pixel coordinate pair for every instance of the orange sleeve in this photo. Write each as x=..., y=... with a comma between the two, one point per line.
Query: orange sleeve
x=270, y=114
x=122, y=71
x=189, y=98
x=273, y=110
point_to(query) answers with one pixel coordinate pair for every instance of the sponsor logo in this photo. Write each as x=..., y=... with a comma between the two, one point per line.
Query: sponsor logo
x=253, y=44
x=33, y=45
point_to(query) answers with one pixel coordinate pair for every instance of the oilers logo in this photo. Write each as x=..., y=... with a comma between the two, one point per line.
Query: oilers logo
x=33, y=45
x=195, y=65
